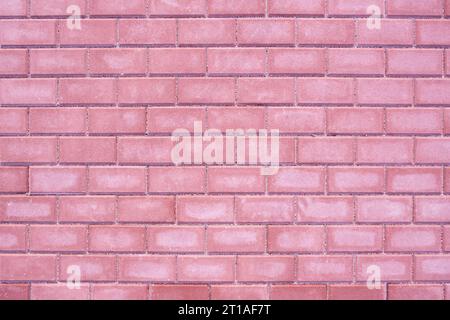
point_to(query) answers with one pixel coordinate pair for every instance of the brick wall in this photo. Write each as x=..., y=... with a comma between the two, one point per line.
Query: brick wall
x=359, y=92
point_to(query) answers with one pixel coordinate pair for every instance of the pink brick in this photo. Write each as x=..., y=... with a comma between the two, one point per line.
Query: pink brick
x=446, y=239
x=179, y=60
x=13, y=61
x=147, y=268
x=384, y=209
x=354, y=180
x=352, y=7
x=355, y=292
x=118, y=7
x=325, y=31
x=13, y=120
x=432, y=91
x=58, y=179
x=13, y=238
x=415, y=180
x=117, y=179
x=265, y=268
x=296, y=120
x=191, y=209
x=268, y=31
x=206, y=31
x=324, y=268
x=296, y=239
x=58, y=61
x=232, y=118
x=414, y=61
x=117, y=61
x=349, y=61
x=236, y=239
x=29, y=267
x=298, y=292
x=87, y=150
x=415, y=292
x=395, y=91
x=179, y=292
x=236, y=61
x=86, y=209
x=176, y=179
x=175, y=239
x=236, y=7
x=432, y=268
x=23, y=209
x=413, y=239
x=28, y=91
x=392, y=267
x=355, y=238
x=144, y=150
x=447, y=121
x=146, y=209
x=239, y=292
x=90, y=91
x=58, y=238
x=325, y=91
x=119, y=292
x=267, y=91
x=57, y=120
x=135, y=32
x=177, y=8
x=325, y=150
x=14, y=8
x=432, y=150
x=117, y=238
x=206, y=268
x=167, y=120
x=413, y=120
x=391, y=32
x=27, y=32
x=117, y=120
x=27, y=149
x=203, y=90
x=355, y=120
x=325, y=209
x=141, y=91
x=293, y=7
x=291, y=179
x=432, y=209
x=265, y=209
x=14, y=292
x=296, y=61
x=58, y=292
x=420, y=8
x=384, y=150
x=235, y=179
x=93, y=32
x=58, y=8
x=13, y=179
x=433, y=32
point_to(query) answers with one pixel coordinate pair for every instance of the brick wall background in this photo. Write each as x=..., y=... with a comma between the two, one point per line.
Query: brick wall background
x=86, y=177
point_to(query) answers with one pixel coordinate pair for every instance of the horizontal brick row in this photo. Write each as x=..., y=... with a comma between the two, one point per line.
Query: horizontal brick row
x=220, y=210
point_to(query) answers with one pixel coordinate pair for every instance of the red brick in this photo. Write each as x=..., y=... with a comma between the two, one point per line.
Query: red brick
x=391, y=32
x=206, y=31
x=119, y=292
x=18, y=267
x=265, y=209
x=24, y=209
x=355, y=238
x=177, y=8
x=118, y=7
x=14, y=8
x=12, y=238
x=414, y=61
x=92, y=267
x=179, y=60
x=206, y=268
x=92, y=33
x=144, y=150
x=432, y=268
x=176, y=179
x=13, y=120
x=415, y=180
x=27, y=91
x=58, y=61
x=294, y=7
x=325, y=91
x=118, y=61
x=239, y=292
x=235, y=180
x=32, y=32
x=432, y=150
x=384, y=150
x=420, y=8
x=354, y=180
x=265, y=268
x=268, y=31
x=298, y=292
x=57, y=120
x=146, y=209
x=87, y=150
x=296, y=120
x=14, y=149
x=116, y=238
x=349, y=61
x=86, y=91
x=355, y=292
x=432, y=209
x=117, y=120
x=175, y=239
x=58, y=292
x=58, y=238
x=232, y=118
x=117, y=179
x=179, y=292
x=352, y=7
x=55, y=8
x=137, y=90
x=324, y=268
x=58, y=179
x=413, y=121
x=325, y=209
x=395, y=91
x=384, y=209
x=167, y=120
x=325, y=150
x=392, y=267
x=140, y=32
x=236, y=239
x=432, y=91
x=296, y=61
x=295, y=239
x=236, y=61
x=433, y=32
x=14, y=291
x=86, y=209
x=355, y=120
x=415, y=292
x=412, y=238
x=191, y=209
x=13, y=61
x=206, y=90
x=325, y=31
x=13, y=179
x=292, y=179
x=236, y=7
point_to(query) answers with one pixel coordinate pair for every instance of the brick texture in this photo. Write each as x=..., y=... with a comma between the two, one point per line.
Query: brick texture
x=93, y=112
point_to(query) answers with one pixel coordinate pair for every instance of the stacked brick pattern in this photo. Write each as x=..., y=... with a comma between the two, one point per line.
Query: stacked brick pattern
x=86, y=176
